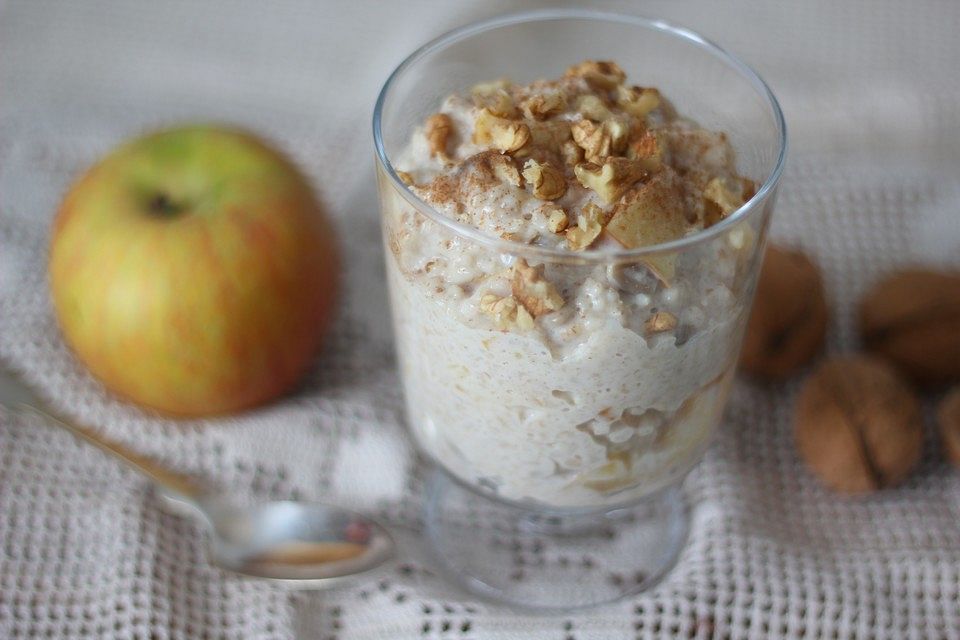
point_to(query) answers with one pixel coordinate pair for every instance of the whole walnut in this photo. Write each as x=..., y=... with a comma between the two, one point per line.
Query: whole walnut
x=789, y=317
x=858, y=425
x=912, y=318
x=948, y=418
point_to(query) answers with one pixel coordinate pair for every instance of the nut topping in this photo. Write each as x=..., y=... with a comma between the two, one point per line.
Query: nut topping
x=543, y=105
x=611, y=180
x=557, y=220
x=486, y=88
x=496, y=101
x=592, y=107
x=593, y=139
x=510, y=137
x=504, y=135
x=533, y=291
x=439, y=126
x=599, y=74
x=505, y=170
x=506, y=313
x=638, y=101
x=590, y=222
x=618, y=131
x=547, y=182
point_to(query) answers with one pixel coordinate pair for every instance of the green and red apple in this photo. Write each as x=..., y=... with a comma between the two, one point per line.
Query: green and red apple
x=193, y=271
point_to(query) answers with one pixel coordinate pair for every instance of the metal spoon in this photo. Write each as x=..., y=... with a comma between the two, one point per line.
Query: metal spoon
x=312, y=544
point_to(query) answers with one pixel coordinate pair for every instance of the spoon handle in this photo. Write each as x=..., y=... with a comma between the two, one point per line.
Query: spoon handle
x=182, y=486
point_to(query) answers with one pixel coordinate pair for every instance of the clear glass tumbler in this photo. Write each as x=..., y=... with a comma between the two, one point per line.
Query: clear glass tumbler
x=560, y=448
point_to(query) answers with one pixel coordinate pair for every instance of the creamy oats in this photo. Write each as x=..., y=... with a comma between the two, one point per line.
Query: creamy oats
x=569, y=383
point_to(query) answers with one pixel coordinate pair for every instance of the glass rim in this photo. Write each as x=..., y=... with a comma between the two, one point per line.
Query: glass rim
x=593, y=255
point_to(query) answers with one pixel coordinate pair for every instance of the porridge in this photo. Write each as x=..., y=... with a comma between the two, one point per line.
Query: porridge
x=550, y=368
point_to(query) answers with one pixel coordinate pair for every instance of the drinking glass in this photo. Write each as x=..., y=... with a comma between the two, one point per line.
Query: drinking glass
x=559, y=450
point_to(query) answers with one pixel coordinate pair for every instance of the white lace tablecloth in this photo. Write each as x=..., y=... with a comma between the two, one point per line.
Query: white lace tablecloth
x=872, y=95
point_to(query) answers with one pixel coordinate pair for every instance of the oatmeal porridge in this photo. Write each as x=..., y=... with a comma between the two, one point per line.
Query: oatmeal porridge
x=579, y=380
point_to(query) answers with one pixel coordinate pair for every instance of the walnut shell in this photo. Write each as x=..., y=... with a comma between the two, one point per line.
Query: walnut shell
x=858, y=425
x=789, y=317
x=912, y=318
x=948, y=418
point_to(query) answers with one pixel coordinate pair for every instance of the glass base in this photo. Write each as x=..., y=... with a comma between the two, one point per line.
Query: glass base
x=552, y=560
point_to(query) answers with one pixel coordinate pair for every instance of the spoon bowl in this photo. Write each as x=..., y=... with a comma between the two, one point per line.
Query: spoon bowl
x=286, y=540
x=311, y=544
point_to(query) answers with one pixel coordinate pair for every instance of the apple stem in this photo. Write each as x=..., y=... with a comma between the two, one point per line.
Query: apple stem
x=162, y=205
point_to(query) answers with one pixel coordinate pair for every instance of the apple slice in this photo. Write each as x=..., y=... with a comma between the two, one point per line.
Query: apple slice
x=650, y=215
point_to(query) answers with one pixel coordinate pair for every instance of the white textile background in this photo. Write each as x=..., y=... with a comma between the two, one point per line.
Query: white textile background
x=872, y=98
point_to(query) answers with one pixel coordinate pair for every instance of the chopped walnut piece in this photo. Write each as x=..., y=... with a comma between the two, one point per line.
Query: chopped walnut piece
x=511, y=137
x=547, y=182
x=590, y=222
x=546, y=138
x=486, y=168
x=572, y=153
x=611, y=180
x=661, y=321
x=502, y=134
x=505, y=170
x=594, y=139
x=506, y=313
x=650, y=215
x=524, y=320
x=599, y=74
x=533, y=291
x=638, y=101
x=405, y=178
x=439, y=127
x=487, y=301
x=592, y=107
x=619, y=133
x=543, y=105
x=497, y=101
x=647, y=149
x=483, y=126
x=557, y=220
